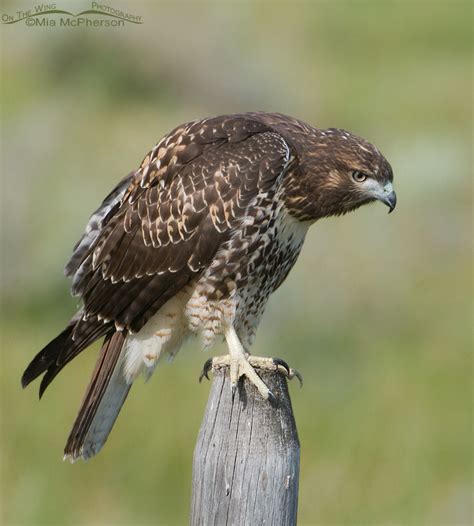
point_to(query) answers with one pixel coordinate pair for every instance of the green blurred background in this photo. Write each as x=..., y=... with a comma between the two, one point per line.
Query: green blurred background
x=376, y=313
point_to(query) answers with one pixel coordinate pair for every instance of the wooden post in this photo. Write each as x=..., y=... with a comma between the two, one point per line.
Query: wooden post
x=247, y=456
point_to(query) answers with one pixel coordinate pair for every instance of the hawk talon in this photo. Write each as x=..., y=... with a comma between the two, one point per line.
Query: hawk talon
x=289, y=371
x=272, y=398
x=279, y=365
x=205, y=369
x=279, y=362
x=293, y=373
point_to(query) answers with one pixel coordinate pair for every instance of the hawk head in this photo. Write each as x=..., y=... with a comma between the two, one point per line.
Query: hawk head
x=344, y=172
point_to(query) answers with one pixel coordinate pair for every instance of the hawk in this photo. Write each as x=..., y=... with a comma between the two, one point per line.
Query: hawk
x=193, y=243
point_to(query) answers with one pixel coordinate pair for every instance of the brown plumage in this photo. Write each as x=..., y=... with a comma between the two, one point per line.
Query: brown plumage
x=200, y=235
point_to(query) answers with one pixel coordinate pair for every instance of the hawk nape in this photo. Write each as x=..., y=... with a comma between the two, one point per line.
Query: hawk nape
x=194, y=242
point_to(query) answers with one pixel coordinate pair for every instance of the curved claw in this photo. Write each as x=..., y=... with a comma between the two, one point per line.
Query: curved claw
x=293, y=373
x=272, y=398
x=290, y=373
x=279, y=362
x=205, y=370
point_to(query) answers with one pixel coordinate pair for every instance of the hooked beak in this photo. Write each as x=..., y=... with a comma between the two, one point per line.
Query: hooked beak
x=388, y=197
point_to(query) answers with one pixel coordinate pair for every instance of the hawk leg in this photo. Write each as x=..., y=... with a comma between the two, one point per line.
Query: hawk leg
x=242, y=363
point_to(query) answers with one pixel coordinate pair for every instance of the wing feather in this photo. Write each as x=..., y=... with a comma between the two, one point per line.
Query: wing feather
x=164, y=224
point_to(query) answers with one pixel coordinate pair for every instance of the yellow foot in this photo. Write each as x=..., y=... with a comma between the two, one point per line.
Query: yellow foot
x=245, y=365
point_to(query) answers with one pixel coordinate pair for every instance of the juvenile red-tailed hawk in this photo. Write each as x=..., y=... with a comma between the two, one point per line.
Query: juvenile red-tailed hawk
x=194, y=242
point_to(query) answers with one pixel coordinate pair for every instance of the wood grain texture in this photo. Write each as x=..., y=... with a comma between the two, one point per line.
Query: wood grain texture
x=247, y=457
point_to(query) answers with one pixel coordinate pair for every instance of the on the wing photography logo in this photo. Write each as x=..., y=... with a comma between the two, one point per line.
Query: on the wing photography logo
x=50, y=15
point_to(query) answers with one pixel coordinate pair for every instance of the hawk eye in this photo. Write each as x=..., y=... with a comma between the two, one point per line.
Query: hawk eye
x=358, y=177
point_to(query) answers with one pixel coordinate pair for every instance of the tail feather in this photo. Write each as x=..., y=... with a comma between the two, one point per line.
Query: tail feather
x=78, y=335
x=102, y=402
x=81, y=339
x=47, y=356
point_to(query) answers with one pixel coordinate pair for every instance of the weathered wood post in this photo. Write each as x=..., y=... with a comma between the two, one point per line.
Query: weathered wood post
x=247, y=456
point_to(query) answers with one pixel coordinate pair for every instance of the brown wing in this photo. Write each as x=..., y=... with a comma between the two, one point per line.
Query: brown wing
x=162, y=226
